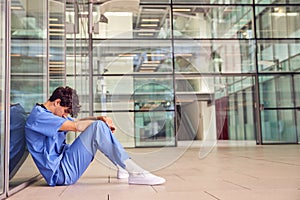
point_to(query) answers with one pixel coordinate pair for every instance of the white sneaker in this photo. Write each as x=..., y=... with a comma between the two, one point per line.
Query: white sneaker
x=145, y=178
x=122, y=173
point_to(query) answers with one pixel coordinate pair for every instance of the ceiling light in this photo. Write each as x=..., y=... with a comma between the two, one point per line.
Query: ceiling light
x=16, y=8
x=146, y=70
x=150, y=20
x=59, y=25
x=152, y=61
x=56, y=62
x=277, y=9
x=181, y=9
x=280, y=14
x=147, y=30
x=149, y=25
x=56, y=30
x=56, y=34
x=127, y=55
x=292, y=14
x=53, y=19
x=145, y=34
x=15, y=55
x=183, y=54
x=149, y=65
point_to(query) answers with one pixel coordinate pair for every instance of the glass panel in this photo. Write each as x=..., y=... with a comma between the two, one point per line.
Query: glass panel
x=214, y=56
x=56, y=43
x=28, y=79
x=297, y=102
x=114, y=93
x=124, y=84
x=241, y=109
x=267, y=92
x=276, y=91
x=232, y=115
x=3, y=56
x=212, y=22
x=77, y=56
x=278, y=126
x=278, y=22
x=125, y=127
x=154, y=111
x=298, y=124
x=297, y=90
x=127, y=57
x=278, y=55
x=284, y=91
x=131, y=20
x=154, y=128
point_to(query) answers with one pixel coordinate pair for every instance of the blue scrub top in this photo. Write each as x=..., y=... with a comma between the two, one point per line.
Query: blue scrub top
x=45, y=142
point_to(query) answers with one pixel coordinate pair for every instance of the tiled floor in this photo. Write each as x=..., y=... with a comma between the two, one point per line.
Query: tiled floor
x=242, y=172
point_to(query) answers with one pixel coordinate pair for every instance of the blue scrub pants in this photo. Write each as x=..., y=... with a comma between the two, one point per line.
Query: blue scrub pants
x=81, y=152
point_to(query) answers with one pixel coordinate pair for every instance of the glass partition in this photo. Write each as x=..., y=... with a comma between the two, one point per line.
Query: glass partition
x=276, y=91
x=278, y=55
x=154, y=111
x=278, y=115
x=212, y=22
x=278, y=126
x=28, y=79
x=127, y=57
x=297, y=102
x=131, y=20
x=277, y=21
x=219, y=56
x=135, y=79
x=57, y=43
x=236, y=96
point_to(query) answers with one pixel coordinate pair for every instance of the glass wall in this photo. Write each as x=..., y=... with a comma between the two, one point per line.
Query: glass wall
x=277, y=60
x=29, y=79
x=279, y=115
x=160, y=67
x=3, y=57
x=165, y=71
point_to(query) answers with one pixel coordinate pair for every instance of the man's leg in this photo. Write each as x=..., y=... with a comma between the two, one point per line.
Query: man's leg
x=82, y=151
x=98, y=136
x=75, y=161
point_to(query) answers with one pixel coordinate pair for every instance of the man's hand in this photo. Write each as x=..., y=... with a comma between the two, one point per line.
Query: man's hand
x=108, y=121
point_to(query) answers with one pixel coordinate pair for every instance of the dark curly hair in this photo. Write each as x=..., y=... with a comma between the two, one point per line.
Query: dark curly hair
x=68, y=97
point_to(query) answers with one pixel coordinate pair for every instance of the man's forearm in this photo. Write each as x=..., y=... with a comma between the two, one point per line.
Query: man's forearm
x=88, y=118
x=81, y=125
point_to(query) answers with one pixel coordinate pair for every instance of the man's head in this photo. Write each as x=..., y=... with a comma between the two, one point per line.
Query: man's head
x=68, y=98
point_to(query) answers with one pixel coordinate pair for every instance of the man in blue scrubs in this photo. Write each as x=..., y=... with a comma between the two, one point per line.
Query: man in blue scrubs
x=63, y=164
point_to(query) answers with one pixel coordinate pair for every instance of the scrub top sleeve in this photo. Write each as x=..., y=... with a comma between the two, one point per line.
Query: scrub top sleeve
x=46, y=123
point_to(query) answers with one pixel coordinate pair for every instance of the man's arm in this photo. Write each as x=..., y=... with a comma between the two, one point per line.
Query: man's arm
x=80, y=125
x=77, y=126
